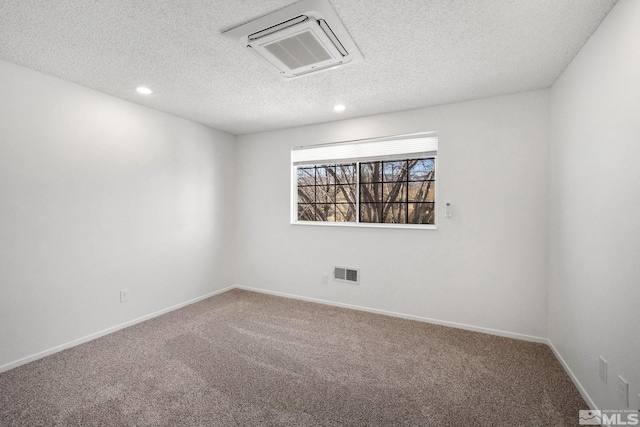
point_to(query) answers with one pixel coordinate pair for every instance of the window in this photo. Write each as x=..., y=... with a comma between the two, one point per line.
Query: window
x=379, y=182
x=327, y=193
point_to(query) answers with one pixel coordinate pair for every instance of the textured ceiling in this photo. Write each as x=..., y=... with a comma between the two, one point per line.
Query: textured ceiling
x=416, y=53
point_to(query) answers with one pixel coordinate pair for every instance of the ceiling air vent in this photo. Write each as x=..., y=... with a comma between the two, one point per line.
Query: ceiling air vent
x=300, y=39
x=344, y=274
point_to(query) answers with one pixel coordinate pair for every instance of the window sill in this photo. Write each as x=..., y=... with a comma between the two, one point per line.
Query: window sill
x=367, y=225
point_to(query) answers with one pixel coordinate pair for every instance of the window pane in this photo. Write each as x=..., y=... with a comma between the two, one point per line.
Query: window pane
x=422, y=191
x=370, y=193
x=306, y=212
x=421, y=213
x=346, y=193
x=394, y=213
x=346, y=174
x=325, y=175
x=395, y=171
x=345, y=212
x=370, y=212
x=325, y=212
x=371, y=172
x=396, y=192
x=306, y=195
x=422, y=169
x=306, y=176
x=326, y=194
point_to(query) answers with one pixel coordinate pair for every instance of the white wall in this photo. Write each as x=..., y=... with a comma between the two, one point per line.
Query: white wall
x=486, y=266
x=97, y=195
x=595, y=209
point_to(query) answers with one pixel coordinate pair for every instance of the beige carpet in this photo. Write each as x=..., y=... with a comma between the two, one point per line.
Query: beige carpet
x=248, y=359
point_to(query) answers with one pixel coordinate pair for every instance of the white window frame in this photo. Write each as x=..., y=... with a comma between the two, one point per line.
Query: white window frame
x=396, y=147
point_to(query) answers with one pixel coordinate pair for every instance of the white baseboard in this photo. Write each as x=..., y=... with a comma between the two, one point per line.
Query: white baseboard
x=497, y=332
x=569, y=372
x=93, y=336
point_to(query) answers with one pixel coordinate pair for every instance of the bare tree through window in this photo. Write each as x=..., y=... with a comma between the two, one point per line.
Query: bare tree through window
x=327, y=193
x=394, y=191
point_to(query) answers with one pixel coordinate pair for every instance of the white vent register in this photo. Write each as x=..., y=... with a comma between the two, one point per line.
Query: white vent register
x=344, y=274
x=300, y=39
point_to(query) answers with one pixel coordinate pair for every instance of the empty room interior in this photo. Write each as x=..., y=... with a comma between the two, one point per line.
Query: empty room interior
x=319, y=212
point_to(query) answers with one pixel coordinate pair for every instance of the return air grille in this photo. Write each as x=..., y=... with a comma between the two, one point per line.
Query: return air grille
x=300, y=39
x=300, y=50
x=343, y=274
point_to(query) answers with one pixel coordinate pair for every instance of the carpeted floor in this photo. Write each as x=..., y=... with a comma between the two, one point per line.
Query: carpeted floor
x=248, y=359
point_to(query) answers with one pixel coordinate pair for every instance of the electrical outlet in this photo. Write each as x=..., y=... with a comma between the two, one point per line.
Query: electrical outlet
x=603, y=369
x=124, y=295
x=623, y=391
x=325, y=279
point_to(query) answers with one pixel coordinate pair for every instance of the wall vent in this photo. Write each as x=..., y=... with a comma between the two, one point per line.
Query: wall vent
x=300, y=39
x=345, y=274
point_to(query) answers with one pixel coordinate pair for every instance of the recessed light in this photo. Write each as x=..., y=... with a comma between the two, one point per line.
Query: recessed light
x=144, y=90
x=338, y=108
